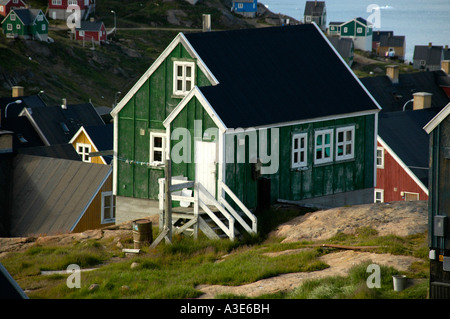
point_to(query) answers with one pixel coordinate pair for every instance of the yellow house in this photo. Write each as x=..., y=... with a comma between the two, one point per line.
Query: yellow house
x=94, y=139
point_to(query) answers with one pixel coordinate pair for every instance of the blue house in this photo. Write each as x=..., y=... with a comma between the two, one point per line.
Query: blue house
x=247, y=8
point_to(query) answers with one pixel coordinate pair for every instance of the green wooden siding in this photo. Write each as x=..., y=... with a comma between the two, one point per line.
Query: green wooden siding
x=143, y=113
x=316, y=180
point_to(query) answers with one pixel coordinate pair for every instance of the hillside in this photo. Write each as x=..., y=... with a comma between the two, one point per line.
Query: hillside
x=67, y=69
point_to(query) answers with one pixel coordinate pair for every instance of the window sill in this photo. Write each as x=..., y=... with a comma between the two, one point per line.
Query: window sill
x=108, y=221
x=178, y=96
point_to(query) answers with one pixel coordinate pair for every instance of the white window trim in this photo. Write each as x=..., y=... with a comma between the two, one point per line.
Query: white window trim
x=111, y=205
x=381, y=166
x=17, y=26
x=82, y=154
x=345, y=143
x=12, y=17
x=81, y=33
x=44, y=27
x=162, y=149
x=183, y=77
x=411, y=193
x=359, y=30
x=9, y=27
x=2, y=8
x=345, y=29
x=379, y=191
x=240, y=6
x=299, y=150
x=323, y=160
x=308, y=18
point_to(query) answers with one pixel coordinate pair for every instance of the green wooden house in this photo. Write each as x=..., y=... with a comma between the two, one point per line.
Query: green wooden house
x=235, y=110
x=26, y=23
x=357, y=29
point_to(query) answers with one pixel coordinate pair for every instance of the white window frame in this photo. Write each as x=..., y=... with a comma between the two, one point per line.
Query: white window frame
x=322, y=159
x=240, y=6
x=108, y=201
x=83, y=153
x=345, y=143
x=345, y=29
x=9, y=27
x=299, y=150
x=15, y=1
x=81, y=33
x=72, y=2
x=44, y=27
x=56, y=2
x=154, y=148
x=2, y=8
x=13, y=17
x=183, y=77
x=380, y=164
x=359, y=30
x=18, y=26
x=378, y=191
x=308, y=18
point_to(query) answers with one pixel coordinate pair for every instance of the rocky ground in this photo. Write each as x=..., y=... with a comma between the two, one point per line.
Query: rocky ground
x=397, y=218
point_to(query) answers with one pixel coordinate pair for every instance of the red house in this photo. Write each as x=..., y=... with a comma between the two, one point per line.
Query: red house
x=7, y=5
x=91, y=31
x=57, y=9
x=403, y=155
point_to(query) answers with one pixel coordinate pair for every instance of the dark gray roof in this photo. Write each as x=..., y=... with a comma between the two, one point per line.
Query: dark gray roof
x=64, y=151
x=270, y=75
x=343, y=46
x=363, y=21
x=392, y=97
x=404, y=133
x=392, y=41
x=377, y=34
x=431, y=54
x=336, y=23
x=27, y=16
x=58, y=125
x=50, y=194
x=446, y=52
x=314, y=8
x=9, y=287
x=30, y=101
x=90, y=26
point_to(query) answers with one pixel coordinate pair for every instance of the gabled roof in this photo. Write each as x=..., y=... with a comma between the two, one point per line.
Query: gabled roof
x=50, y=195
x=392, y=41
x=27, y=16
x=30, y=101
x=57, y=125
x=100, y=136
x=403, y=132
x=314, y=8
x=431, y=54
x=268, y=76
x=442, y=115
x=392, y=97
x=343, y=46
x=90, y=26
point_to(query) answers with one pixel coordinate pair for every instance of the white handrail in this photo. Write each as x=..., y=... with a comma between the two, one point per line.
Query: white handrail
x=241, y=206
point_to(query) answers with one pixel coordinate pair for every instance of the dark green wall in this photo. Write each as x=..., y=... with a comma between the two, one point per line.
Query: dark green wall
x=144, y=112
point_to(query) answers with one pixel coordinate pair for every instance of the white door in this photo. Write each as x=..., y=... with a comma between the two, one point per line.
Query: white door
x=205, y=167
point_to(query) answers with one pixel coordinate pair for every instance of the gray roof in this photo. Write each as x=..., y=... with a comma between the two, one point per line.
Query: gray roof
x=90, y=26
x=432, y=54
x=377, y=34
x=343, y=46
x=27, y=16
x=392, y=41
x=50, y=194
x=314, y=8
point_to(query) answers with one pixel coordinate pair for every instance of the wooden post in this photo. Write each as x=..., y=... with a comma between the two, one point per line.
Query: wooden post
x=168, y=200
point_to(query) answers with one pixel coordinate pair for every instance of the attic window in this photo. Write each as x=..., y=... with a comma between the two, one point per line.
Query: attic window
x=183, y=77
x=12, y=17
x=83, y=150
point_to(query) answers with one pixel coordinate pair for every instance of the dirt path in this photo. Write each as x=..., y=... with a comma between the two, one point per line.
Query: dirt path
x=339, y=262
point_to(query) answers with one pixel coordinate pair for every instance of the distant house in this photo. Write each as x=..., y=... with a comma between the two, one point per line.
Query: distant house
x=376, y=36
x=246, y=8
x=59, y=196
x=58, y=124
x=392, y=46
x=7, y=5
x=428, y=57
x=26, y=23
x=316, y=11
x=91, y=31
x=61, y=9
x=439, y=205
x=345, y=48
x=403, y=155
x=444, y=80
x=91, y=139
x=358, y=29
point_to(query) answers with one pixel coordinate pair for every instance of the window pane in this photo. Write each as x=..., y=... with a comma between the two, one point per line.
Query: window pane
x=295, y=143
x=302, y=157
x=340, y=137
x=319, y=140
x=157, y=141
x=327, y=138
x=319, y=153
x=348, y=149
x=188, y=85
x=180, y=70
x=327, y=152
x=179, y=85
x=157, y=156
x=340, y=151
x=349, y=135
x=302, y=143
x=295, y=157
x=188, y=71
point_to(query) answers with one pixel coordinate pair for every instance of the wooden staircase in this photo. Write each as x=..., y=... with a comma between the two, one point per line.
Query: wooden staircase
x=216, y=220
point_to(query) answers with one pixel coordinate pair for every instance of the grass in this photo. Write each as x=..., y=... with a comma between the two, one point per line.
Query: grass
x=173, y=271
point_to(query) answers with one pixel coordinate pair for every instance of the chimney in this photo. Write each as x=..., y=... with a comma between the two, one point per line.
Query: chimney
x=392, y=72
x=64, y=104
x=206, y=23
x=422, y=100
x=430, y=45
x=17, y=91
x=91, y=19
x=445, y=65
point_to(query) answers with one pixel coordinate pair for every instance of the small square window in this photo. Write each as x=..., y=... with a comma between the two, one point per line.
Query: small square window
x=157, y=148
x=108, y=207
x=379, y=196
x=380, y=157
x=323, y=149
x=83, y=150
x=345, y=143
x=183, y=77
